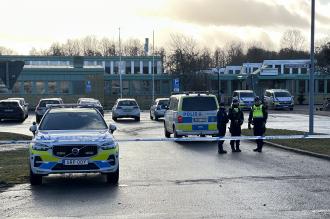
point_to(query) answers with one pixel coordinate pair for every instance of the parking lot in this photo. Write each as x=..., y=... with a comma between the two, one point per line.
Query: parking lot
x=183, y=180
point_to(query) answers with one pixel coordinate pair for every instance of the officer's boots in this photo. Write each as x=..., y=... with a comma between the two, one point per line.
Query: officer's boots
x=237, y=147
x=220, y=149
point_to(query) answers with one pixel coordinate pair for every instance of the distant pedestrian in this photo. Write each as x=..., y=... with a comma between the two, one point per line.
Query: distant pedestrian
x=222, y=120
x=258, y=118
x=236, y=118
x=222, y=97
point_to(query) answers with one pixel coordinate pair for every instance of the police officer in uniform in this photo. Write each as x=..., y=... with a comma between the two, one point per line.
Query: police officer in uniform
x=236, y=118
x=258, y=118
x=222, y=120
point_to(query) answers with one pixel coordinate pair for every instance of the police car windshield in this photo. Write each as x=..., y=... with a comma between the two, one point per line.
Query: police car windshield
x=199, y=104
x=44, y=103
x=127, y=103
x=282, y=94
x=73, y=120
x=247, y=95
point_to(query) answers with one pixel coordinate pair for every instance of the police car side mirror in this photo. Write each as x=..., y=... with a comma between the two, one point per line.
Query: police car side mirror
x=112, y=128
x=34, y=128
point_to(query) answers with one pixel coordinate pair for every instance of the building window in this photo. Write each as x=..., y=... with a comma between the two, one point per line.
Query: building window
x=65, y=87
x=142, y=87
x=294, y=70
x=166, y=86
x=17, y=87
x=40, y=87
x=230, y=72
x=304, y=71
x=328, y=86
x=146, y=67
x=78, y=87
x=286, y=70
x=107, y=90
x=321, y=86
x=115, y=87
x=237, y=71
x=302, y=86
x=27, y=87
x=52, y=87
x=3, y=88
x=278, y=68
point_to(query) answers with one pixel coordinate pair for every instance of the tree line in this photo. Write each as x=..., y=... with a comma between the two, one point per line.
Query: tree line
x=183, y=55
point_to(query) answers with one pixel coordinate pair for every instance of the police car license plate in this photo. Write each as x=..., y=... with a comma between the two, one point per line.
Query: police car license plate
x=200, y=120
x=75, y=162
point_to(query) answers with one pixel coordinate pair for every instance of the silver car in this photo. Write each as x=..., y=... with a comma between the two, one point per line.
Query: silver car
x=279, y=99
x=158, y=108
x=126, y=108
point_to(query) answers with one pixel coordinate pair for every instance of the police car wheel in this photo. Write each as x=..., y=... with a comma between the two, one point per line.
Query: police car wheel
x=113, y=178
x=176, y=134
x=114, y=118
x=37, y=119
x=167, y=134
x=35, y=179
x=137, y=119
x=151, y=117
x=291, y=109
x=156, y=118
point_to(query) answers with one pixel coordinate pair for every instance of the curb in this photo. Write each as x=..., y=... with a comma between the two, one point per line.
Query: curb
x=299, y=151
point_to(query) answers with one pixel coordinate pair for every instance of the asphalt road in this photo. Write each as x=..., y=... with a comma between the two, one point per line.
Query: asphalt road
x=183, y=180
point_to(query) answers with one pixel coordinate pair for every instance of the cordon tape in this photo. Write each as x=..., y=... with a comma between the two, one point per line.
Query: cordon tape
x=190, y=139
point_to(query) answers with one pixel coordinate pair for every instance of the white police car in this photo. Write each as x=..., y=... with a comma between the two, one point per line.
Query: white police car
x=73, y=139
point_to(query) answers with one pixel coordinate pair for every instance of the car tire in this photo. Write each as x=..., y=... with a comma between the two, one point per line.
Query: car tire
x=151, y=117
x=291, y=109
x=35, y=179
x=167, y=134
x=176, y=134
x=114, y=119
x=113, y=178
x=156, y=118
x=137, y=119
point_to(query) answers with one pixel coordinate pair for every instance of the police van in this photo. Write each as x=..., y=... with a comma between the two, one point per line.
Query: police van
x=191, y=114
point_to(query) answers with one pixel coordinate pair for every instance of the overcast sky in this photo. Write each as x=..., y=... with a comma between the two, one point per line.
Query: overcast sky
x=38, y=23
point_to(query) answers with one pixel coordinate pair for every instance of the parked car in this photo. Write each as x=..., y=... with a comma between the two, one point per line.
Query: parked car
x=191, y=114
x=25, y=105
x=326, y=104
x=42, y=106
x=78, y=141
x=126, y=108
x=245, y=98
x=91, y=101
x=12, y=110
x=158, y=108
x=278, y=99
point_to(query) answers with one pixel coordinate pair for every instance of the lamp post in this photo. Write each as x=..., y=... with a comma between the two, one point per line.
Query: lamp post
x=120, y=69
x=311, y=72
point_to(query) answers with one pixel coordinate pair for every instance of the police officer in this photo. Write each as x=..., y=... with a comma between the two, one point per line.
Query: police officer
x=222, y=120
x=236, y=118
x=258, y=118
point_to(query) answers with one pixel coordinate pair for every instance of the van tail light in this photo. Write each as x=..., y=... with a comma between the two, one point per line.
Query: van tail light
x=180, y=119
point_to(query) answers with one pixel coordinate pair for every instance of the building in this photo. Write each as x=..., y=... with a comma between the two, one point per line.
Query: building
x=292, y=75
x=97, y=77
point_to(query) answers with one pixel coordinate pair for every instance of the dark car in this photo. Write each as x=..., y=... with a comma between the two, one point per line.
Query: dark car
x=93, y=102
x=12, y=110
x=42, y=106
x=158, y=108
x=25, y=105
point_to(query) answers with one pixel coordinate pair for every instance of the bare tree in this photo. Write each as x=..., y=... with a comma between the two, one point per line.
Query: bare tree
x=89, y=46
x=293, y=40
x=219, y=57
x=72, y=47
x=133, y=47
x=107, y=47
x=6, y=51
x=235, y=53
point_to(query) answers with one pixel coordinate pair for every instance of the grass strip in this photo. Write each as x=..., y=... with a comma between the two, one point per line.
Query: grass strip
x=320, y=146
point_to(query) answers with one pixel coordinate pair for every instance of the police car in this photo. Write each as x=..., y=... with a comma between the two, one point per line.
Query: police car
x=191, y=114
x=73, y=139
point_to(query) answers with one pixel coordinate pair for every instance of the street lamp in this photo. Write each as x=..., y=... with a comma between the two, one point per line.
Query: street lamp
x=311, y=72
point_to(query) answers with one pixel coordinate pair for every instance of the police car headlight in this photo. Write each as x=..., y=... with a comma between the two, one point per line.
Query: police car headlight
x=109, y=145
x=40, y=147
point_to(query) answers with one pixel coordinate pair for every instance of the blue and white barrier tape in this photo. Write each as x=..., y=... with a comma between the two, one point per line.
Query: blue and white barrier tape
x=190, y=139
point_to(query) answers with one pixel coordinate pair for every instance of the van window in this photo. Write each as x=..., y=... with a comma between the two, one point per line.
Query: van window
x=199, y=104
x=282, y=94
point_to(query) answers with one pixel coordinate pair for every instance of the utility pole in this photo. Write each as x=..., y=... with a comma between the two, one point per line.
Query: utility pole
x=120, y=69
x=311, y=72
x=153, y=65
